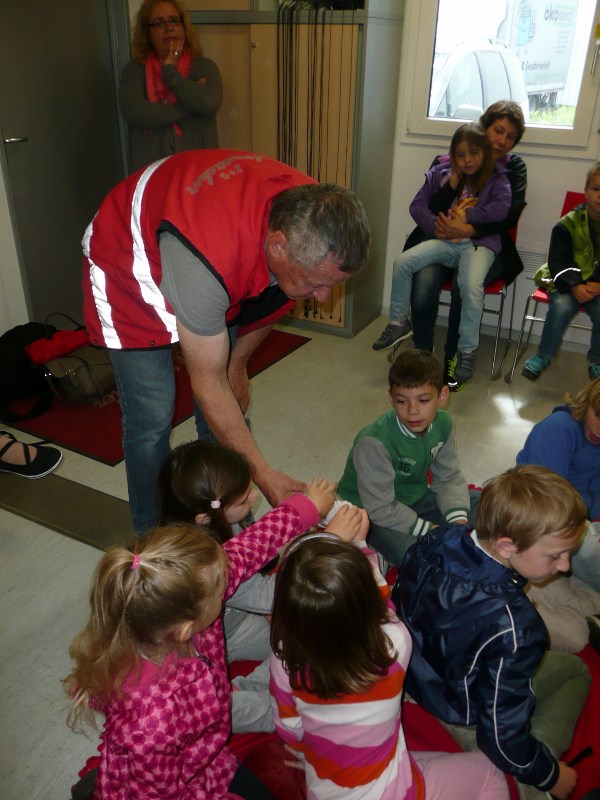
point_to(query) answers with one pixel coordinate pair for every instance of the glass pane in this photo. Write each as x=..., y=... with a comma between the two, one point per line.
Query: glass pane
x=526, y=50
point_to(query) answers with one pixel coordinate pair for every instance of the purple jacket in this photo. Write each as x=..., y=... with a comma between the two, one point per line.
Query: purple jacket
x=493, y=203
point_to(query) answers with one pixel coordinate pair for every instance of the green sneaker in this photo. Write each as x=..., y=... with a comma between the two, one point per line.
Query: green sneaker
x=533, y=367
x=450, y=380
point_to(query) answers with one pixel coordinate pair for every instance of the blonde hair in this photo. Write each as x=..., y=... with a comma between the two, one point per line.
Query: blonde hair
x=593, y=170
x=140, y=39
x=586, y=398
x=138, y=599
x=526, y=503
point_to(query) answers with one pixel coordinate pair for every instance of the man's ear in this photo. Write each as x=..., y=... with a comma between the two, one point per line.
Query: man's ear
x=201, y=519
x=443, y=396
x=504, y=547
x=277, y=244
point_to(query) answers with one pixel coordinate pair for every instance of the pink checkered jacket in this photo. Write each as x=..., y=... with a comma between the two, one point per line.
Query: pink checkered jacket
x=165, y=736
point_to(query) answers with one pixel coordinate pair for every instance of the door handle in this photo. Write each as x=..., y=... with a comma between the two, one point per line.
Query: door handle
x=14, y=139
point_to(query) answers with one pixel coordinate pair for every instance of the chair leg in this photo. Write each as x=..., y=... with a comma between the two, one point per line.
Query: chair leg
x=520, y=350
x=496, y=373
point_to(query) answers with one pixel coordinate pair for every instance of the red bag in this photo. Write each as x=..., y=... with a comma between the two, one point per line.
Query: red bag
x=59, y=344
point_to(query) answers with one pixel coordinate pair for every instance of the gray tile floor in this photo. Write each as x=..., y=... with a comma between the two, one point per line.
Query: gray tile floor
x=306, y=411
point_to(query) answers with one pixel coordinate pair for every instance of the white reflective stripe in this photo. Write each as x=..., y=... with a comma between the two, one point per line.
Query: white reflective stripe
x=563, y=271
x=85, y=242
x=103, y=309
x=141, y=266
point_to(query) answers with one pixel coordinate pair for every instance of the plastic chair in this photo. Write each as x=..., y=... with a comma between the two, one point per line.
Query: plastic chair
x=572, y=199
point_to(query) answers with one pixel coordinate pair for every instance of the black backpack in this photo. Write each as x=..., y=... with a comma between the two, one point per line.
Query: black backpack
x=19, y=379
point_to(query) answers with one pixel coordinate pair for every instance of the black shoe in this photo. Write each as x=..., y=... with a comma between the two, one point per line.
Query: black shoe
x=393, y=334
x=45, y=461
x=449, y=366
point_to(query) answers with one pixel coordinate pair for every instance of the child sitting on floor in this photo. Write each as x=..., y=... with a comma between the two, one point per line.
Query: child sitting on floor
x=339, y=661
x=568, y=442
x=388, y=466
x=572, y=279
x=207, y=484
x=479, y=647
x=152, y=656
x=481, y=193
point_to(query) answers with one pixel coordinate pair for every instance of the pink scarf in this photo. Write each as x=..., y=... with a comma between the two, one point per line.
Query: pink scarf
x=156, y=88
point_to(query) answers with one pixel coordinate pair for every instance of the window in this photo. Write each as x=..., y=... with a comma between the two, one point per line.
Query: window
x=466, y=54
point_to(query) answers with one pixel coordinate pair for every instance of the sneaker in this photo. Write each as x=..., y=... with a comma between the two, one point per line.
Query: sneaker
x=465, y=365
x=45, y=461
x=450, y=379
x=533, y=367
x=392, y=334
x=594, y=371
x=594, y=626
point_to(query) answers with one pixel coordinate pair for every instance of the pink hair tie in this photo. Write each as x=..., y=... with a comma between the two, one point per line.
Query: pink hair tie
x=215, y=504
x=136, y=561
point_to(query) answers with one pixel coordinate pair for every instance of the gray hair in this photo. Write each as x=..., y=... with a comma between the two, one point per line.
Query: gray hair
x=322, y=221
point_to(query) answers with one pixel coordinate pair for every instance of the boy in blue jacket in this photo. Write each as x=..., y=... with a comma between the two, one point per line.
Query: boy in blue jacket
x=477, y=640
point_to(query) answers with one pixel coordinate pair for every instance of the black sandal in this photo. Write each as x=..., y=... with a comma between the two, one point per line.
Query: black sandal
x=46, y=459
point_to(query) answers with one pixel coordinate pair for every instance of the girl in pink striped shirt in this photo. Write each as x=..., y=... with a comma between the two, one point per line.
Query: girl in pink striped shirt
x=339, y=659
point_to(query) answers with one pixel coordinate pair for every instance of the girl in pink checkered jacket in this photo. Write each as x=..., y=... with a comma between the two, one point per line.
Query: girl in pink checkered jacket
x=152, y=656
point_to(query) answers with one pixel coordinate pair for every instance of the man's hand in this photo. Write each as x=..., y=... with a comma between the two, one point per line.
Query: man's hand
x=277, y=486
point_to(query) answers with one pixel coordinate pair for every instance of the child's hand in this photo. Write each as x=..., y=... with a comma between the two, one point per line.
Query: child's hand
x=350, y=523
x=567, y=778
x=322, y=493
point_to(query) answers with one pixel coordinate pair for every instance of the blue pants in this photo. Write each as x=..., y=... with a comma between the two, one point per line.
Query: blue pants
x=472, y=264
x=146, y=384
x=393, y=544
x=563, y=308
x=424, y=302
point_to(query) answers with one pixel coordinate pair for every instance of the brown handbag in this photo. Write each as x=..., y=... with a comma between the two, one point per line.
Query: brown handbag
x=82, y=376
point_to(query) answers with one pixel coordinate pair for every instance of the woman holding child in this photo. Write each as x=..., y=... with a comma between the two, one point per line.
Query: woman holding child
x=504, y=126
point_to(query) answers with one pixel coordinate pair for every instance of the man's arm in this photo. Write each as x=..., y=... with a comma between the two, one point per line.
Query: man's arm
x=207, y=360
x=237, y=371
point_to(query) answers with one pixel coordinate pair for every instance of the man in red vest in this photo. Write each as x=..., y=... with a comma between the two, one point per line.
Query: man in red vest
x=208, y=248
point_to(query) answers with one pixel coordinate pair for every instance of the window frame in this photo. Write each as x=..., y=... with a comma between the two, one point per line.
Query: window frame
x=416, y=127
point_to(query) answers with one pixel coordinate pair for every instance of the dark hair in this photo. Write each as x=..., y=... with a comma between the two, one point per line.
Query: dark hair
x=504, y=109
x=140, y=40
x=526, y=503
x=322, y=221
x=327, y=618
x=414, y=368
x=196, y=473
x=475, y=136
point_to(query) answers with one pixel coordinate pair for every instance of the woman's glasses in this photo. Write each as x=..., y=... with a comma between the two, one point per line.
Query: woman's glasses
x=161, y=22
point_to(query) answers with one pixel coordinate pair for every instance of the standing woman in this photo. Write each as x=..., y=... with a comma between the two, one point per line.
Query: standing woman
x=169, y=93
x=504, y=124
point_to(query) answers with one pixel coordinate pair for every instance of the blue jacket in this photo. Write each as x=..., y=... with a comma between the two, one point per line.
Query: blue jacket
x=477, y=640
x=558, y=442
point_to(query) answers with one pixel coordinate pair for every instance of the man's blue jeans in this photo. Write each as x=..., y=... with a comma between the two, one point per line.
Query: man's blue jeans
x=563, y=308
x=146, y=384
x=472, y=263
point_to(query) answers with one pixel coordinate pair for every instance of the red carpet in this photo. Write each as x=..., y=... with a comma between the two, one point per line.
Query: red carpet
x=94, y=430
